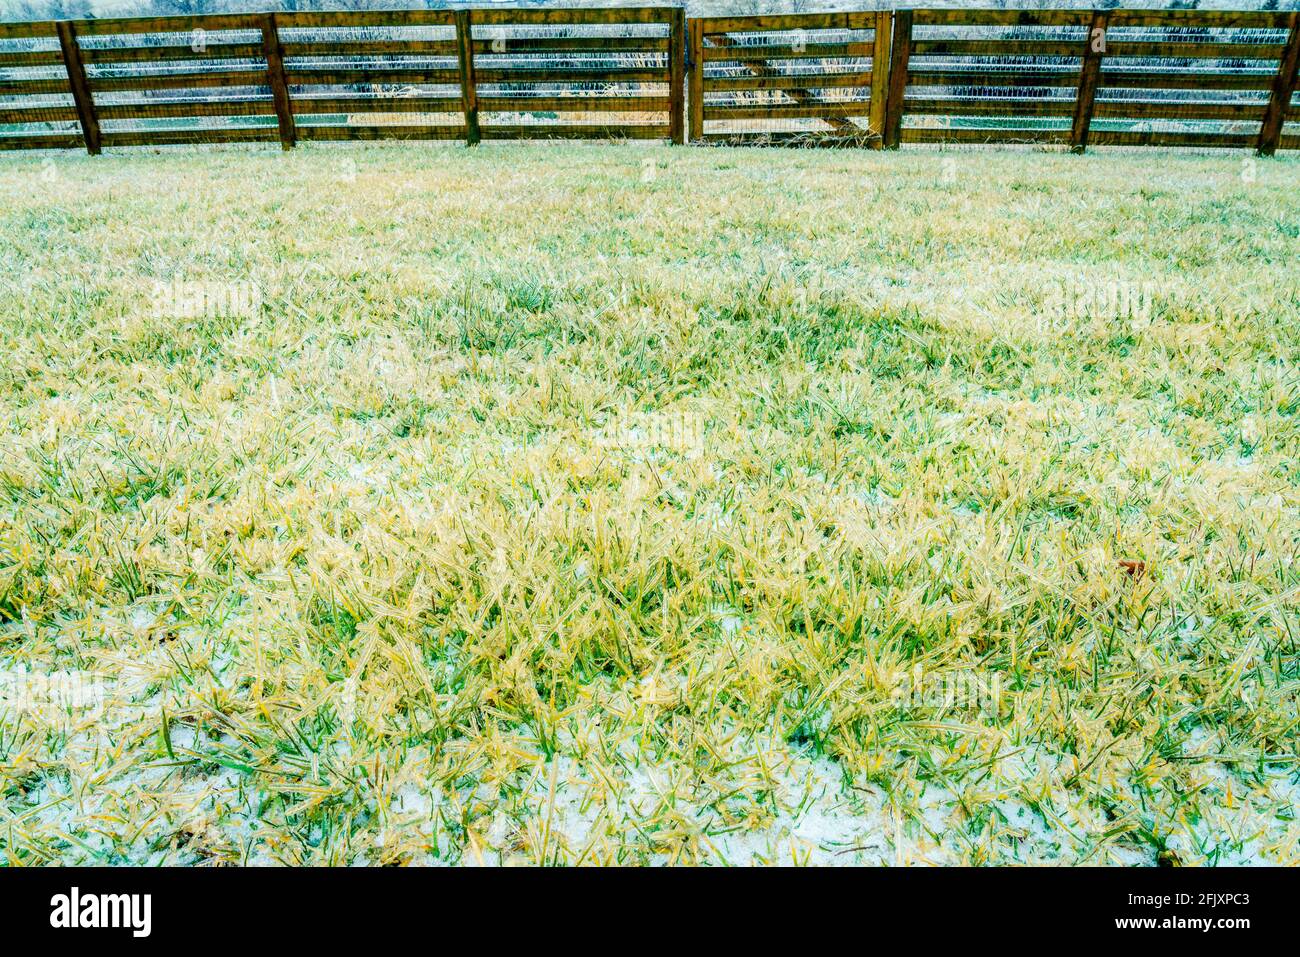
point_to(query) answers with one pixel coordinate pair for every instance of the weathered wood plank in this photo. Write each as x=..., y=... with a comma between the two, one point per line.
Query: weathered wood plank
x=260, y=134
x=855, y=138
x=863, y=49
x=677, y=77
x=81, y=95
x=352, y=49
x=23, y=31
x=1260, y=20
x=312, y=76
x=859, y=20
x=9, y=87
x=366, y=18
x=380, y=132
x=1283, y=86
x=40, y=141
x=589, y=15
x=315, y=105
x=990, y=106
x=9, y=58
x=1178, y=110
x=209, y=23
x=787, y=110
x=500, y=46
x=984, y=135
x=993, y=78
x=1172, y=80
x=695, y=68
x=581, y=131
x=1046, y=48
x=213, y=51
x=1163, y=138
x=1094, y=48
x=38, y=114
x=900, y=53
x=574, y=104
x=518, y=73
x=276, y=80
x=468, y=79
x=1194, y=51
x=880, y=55
x=149, y=109
x=198, y=79
x=976, y=17
x=788, y=81
x=508, y=45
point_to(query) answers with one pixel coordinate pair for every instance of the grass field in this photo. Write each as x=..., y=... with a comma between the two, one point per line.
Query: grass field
x=416, y=504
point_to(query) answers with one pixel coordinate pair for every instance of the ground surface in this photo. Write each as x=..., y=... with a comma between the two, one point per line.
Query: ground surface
x=414, y=504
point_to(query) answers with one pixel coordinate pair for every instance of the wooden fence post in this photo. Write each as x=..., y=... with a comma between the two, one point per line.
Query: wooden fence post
x=900, y=53
x=677, y=76
x=274, y=54
x=1284, y=84
x=695, y=66
x=1094, y=48
x=468, y=85
x=81, y=94
x=880, y=76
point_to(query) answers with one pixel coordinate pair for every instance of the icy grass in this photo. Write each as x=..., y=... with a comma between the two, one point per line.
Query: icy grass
x=593, y=505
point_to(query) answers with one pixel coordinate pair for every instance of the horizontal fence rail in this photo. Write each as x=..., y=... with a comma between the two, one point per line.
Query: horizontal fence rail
x=1059, y=78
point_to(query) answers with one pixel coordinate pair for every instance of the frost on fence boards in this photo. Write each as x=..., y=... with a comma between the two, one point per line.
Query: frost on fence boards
x=35, y=93
x=1078, y=77
x=792, y=78
x=1073, y=78
x=403, y=74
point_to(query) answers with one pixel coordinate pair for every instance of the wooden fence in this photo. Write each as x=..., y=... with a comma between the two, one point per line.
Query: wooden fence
x=1168, y=77
x=1071, y=78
